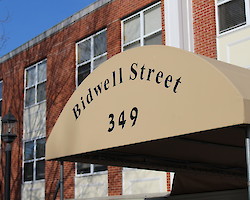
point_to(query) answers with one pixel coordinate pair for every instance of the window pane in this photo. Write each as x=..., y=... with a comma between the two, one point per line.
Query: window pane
x=153, y=39
x=28, y=171
x=83, y=72
x=42, y=72
x=84, y=51
x=30, y=97
x=99, y=168
x=152, y=20
x=30, y=77
x=40, y=148
x=83, y=168
x=28, y=150
x=132, y=29
x=100, y=44
x=40, y=169
x=133, y=45
x=41, y=92
x=99, y=61
x=231, y=15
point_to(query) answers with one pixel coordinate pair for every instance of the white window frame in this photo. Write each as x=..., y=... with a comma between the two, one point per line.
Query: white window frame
x=36, y=83
x=34, y=160
x=247, y=11
x=92, y=172
x=142, y=36
x=92, y=57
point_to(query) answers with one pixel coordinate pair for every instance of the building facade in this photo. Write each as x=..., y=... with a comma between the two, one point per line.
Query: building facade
x=38, y=78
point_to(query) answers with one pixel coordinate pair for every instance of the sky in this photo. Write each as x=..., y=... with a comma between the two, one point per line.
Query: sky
x=22, y=20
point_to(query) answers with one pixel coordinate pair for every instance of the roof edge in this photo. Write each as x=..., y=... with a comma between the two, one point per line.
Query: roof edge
x=65, y=23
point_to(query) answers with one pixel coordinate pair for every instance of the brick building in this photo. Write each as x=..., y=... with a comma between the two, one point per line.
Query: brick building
x=39, y=77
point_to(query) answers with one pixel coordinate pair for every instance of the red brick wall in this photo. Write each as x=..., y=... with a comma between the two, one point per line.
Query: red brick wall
x=168, y=182
x=163, y=22
x=12, y=76
x=114, y=181
x=59, y=49
x=204, y=28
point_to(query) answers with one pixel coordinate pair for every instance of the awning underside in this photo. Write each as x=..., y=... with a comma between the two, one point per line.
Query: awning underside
x=212, y=160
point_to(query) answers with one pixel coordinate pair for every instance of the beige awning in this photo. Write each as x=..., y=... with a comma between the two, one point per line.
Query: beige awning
x=158, y=107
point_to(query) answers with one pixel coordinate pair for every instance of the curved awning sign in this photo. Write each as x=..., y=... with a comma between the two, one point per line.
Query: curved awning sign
x=150, y=93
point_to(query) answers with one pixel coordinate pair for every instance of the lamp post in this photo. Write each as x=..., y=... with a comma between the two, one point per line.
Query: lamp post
x=8, y=136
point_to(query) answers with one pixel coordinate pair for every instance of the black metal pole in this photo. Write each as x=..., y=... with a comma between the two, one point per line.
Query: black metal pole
x=61, y=181
x=8, y=125
x=7, y=171
x=57, y=189
x=60, y=184
x=248, y=159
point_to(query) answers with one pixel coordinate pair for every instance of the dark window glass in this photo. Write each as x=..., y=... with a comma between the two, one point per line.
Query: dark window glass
x=30, y=77
x=84, y=51
x=231, y=15
x=83, y=168
x=99, y=61
x=131, y=29
x=133, y=45
x=41, y=76
x=29, y=150
x=99, y=168
x=152, y=20
x=153, y=39
x=100, y=45
x=41, y=92
x=40, y=168
x=30, y=96
x=83, y=72
x=28, y=171
x=40, y=148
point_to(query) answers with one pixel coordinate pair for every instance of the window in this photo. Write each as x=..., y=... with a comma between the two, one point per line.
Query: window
x=84, y=168
x=35, y=84
x=1, y=97
x=143, y=28
x=231, y=14
x=34, y=160
x=91, y=52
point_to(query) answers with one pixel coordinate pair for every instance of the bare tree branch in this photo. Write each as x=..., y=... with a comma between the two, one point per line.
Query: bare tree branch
x=3, y=36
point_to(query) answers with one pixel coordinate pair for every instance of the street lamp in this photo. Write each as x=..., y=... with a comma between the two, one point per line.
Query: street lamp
x=8, y=136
